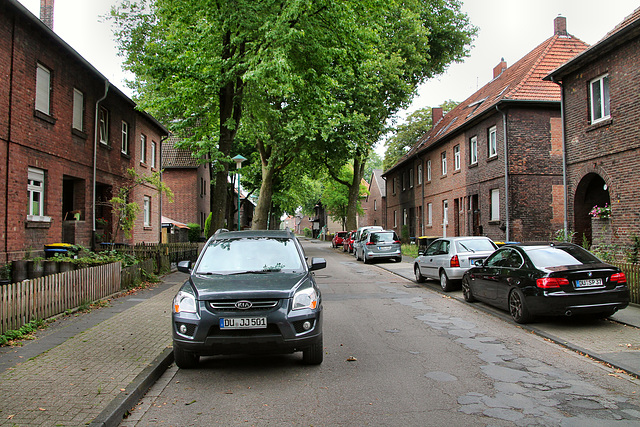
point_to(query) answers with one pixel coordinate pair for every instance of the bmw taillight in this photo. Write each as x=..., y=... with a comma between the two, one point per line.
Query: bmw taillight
x=551, y=282
x=455, y=261
x=370, y=243
x=618, y=278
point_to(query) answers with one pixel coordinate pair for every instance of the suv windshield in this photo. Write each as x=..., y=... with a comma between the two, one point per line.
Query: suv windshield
x=250, y=255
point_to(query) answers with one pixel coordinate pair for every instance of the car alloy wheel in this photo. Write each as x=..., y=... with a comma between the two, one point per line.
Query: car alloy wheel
x=466, y=290
x=518, y=307
x=418, y=274
x=445, y=283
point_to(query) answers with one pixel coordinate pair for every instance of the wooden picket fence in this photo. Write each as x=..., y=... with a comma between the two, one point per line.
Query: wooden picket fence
x=632, y=271
x=35, y=299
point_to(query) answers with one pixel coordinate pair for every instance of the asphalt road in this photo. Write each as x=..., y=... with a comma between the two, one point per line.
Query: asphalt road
x=397, y=353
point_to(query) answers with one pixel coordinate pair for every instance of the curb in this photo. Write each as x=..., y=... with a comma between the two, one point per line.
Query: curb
x=114, y=413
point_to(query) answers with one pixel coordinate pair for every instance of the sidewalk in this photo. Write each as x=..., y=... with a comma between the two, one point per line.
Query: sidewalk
x=616, y=343
x=92, y=368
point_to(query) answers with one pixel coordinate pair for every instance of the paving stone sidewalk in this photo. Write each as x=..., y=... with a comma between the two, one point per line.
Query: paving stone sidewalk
x=77, y=382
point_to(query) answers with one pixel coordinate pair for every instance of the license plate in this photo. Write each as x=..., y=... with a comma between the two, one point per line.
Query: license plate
x=588, y=283
x=243, y=323
x=384, y=248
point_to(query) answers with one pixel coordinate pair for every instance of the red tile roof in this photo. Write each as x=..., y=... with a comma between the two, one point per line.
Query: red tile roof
x=520, y=82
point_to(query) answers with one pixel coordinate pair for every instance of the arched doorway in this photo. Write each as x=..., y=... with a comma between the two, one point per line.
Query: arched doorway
x=591, y=191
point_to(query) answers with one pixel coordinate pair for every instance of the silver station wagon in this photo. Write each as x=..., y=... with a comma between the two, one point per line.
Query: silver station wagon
x=446, y=259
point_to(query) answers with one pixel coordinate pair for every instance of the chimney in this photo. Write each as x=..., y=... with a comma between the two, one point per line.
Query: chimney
x=560, y=26
x=46, y=12
x=436, y=115
x=498, y=69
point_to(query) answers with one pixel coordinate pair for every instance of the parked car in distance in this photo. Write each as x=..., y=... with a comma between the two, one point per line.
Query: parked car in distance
x=552, y=279
x=357, y=240
x=378, y=245
x=347, y=245
x=338, y=238
x=446, y=259
x=248, y=292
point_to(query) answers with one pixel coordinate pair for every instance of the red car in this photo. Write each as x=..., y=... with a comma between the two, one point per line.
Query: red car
x=347, y=244
x=338, y=239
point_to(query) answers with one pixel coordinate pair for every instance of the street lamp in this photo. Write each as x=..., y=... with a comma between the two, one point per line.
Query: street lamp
x=238, y=159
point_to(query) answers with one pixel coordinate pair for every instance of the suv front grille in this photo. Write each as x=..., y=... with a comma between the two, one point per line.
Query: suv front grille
x=256, y=305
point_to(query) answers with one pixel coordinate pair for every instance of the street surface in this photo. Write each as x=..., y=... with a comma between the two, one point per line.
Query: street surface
x=398, y=353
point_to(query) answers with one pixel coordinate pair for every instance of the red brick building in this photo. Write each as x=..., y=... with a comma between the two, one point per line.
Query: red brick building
x=67, y=139
x=493, y=165
x=600, y=90
x=373, y=204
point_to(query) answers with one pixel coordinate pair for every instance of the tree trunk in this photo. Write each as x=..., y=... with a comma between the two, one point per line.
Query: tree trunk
x=354, y=194
x=260, y=219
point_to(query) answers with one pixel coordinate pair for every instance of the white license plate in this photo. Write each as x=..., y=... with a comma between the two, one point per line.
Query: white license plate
x=588, y=283
x=384, y=248
x=243, y=323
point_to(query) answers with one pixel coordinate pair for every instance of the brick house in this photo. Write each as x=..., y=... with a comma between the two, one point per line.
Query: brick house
x=493, y=165
x=373, y=204
x=602, y=133
x=189, y=179
x=67, y=139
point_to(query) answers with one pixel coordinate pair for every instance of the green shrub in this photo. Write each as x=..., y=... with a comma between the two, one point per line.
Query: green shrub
x=207, y=226
x=307, y=232
x=194, y=232
x=405, y=234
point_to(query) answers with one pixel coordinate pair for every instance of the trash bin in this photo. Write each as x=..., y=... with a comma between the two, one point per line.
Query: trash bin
x=65, y=249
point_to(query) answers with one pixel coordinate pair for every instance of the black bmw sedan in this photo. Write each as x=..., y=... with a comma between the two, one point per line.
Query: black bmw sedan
x=551, y=279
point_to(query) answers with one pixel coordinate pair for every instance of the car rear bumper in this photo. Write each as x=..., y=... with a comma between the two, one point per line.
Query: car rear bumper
x=564, y=303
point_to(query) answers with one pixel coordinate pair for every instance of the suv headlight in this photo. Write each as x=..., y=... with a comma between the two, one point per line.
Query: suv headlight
x=184, y=302
x=305, y=298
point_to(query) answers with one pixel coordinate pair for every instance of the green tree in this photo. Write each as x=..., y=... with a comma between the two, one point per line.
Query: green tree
x=407, y=134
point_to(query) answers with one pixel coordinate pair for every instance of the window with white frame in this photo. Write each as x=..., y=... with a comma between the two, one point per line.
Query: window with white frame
x=395, y=219
x=153, y=154
x=443, y=158
x=125, y=138
x=404, y=217
x=428, y=170
x=375, y=204
x=411, y=178
x=492, y=142
x=78, y=110
x=456, y=157
x=147, y=211
x=395, y=179
x=103, y=116
x=495, y=205
x=35, y=188
x=143, y=148
x=419, y=173
x=473, y=150
x=43, y=89
x=404, y=181
x=599, y=89
x=429, y=213
x=445, y=212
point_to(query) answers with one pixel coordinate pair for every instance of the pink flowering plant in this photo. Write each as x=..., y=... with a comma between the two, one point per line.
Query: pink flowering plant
x=601, y=212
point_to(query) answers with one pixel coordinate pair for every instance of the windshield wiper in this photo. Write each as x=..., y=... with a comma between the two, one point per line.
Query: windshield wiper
x=468, y=249
x=208, y=273
x=274, y=270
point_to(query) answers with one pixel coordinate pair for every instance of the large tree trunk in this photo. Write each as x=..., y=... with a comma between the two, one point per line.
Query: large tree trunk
x=260, y=218
x=354, y=193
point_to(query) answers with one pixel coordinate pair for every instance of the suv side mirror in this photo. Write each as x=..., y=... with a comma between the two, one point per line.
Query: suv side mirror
x=317, y=264
x=184, y=267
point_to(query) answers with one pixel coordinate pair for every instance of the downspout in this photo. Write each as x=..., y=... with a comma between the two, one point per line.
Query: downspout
x=506, y=173
x=9, y=136
x=96, y=132
x=564, y=160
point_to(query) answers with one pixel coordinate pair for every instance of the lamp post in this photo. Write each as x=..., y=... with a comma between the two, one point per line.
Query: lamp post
x=238, y=159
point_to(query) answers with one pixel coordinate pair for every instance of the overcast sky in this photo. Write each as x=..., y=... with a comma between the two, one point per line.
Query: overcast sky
x=508, y=29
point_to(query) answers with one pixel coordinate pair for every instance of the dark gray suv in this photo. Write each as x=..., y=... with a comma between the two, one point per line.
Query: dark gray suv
x=248, y=292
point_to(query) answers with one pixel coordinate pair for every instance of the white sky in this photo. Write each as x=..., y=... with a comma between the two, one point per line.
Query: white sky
x=507, y=28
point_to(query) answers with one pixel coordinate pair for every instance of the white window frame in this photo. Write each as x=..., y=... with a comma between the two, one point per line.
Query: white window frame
x=43, y=90
x=429, y=170
x=599, y=94
x=35, y=189
x=456, y=157
x=443, y=159
x=419, y=173
x=473, y=150
x=445, y=213
x=429, y=213
x=395, y=219
x=147, y=211
x=375, y=204
x=411, y=178
x=495, y=205
x=78, y=110
x=493, y=141
x=103, y=115
x=125, y=138
x=143, y=148
x=153, y=154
